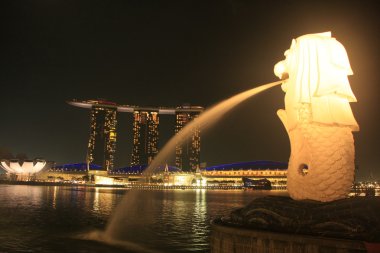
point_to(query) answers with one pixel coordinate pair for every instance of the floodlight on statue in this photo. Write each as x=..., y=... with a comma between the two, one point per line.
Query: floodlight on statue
x=318, y=118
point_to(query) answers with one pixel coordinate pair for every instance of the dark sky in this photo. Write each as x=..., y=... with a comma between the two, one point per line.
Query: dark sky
x=166, y=53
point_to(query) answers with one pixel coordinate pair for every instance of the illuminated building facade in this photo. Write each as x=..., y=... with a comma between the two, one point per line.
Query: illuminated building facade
x=232, y=174
x=218, y=176
x=145, y=136
x=102, y=141
x=22, y=170
x=187, y=153
x=224, y=176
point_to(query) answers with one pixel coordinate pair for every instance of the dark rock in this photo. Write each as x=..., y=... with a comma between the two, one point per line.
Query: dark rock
x=352, y=218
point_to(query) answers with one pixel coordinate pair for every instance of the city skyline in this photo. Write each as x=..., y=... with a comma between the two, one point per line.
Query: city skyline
x=169, y=54
x=102, y=142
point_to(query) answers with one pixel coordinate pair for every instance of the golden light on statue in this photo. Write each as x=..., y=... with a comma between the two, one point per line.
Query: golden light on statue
x=318, y=117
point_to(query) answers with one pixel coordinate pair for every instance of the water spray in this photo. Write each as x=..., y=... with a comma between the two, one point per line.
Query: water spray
x=208, y=117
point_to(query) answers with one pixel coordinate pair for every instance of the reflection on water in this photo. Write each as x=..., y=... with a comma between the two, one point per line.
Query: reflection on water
x=174, y=220
x=47, y=218
x=54, y=202
x=44, y=218
x=199, y=218
x=30, y=196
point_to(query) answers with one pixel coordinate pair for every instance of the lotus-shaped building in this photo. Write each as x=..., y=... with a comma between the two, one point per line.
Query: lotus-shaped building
x=26, y=167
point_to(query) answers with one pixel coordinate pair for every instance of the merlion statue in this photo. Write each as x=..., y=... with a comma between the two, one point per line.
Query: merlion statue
x=318, y=118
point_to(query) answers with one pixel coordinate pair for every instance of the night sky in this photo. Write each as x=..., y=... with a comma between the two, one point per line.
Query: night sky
x=167, y=53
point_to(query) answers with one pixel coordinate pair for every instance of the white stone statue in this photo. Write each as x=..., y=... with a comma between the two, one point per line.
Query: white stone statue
x=318, y=118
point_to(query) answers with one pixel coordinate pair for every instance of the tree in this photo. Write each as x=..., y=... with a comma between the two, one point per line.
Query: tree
x=6, y=154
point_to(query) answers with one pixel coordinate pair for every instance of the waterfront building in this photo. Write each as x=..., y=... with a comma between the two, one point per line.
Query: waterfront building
x=101, y=147
x=102, y=142
x=187, y=153
x=223, y=176
x=73, y=172
x=134, y=174
x=232, y=174
x=145, y=136
x=23, y=170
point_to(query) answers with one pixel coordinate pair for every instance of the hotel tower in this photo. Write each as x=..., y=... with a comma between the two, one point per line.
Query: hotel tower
x=102, y=141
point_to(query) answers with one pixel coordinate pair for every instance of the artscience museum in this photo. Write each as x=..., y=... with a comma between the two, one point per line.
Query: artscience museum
x=22, y=169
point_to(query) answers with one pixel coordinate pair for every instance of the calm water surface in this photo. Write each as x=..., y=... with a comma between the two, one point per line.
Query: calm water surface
x=54, y=218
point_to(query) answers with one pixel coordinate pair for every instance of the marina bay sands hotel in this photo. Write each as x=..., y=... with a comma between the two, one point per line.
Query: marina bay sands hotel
x=102, y=142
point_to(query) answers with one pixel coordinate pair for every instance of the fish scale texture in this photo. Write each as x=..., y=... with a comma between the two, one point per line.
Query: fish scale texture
x=328, y=152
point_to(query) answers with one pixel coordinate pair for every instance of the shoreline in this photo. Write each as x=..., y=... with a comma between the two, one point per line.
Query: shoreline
x=139, y=186
x=354, y=192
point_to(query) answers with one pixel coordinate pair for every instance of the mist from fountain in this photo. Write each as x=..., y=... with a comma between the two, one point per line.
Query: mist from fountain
x=116, y=232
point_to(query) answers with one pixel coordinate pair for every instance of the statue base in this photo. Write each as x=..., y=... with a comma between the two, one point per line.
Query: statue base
x=280, y=224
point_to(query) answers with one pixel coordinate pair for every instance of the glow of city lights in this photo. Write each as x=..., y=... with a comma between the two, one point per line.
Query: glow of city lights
x=104, y=180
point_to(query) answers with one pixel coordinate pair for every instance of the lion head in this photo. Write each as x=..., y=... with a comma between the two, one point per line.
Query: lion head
x=317, y=67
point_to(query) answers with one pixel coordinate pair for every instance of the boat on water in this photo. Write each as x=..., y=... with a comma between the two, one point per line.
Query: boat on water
x=260, y=184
